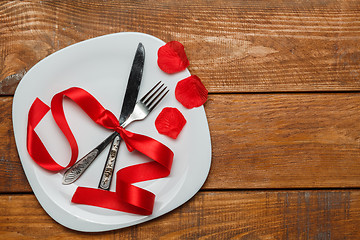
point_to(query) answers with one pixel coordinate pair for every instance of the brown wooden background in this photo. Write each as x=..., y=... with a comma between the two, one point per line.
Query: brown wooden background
x=283, y=111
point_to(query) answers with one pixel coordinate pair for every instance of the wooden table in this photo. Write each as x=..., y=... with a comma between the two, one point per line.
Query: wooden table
x=283, y=111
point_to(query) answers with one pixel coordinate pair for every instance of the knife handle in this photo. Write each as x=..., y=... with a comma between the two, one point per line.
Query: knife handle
x=76, y=170
x=108, y=171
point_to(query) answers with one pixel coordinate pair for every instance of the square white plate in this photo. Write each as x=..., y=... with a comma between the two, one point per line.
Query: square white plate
x=101, y=66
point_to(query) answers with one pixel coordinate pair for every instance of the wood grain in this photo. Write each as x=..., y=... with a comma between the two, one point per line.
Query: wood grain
x=233, y=46
x=284, y=86
x=12, y=175
x=258, y=141
x=284, y=140
x=210, y=215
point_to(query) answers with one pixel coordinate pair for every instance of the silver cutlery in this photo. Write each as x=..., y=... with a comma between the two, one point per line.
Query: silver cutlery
x=128, y=105
x=141, y=110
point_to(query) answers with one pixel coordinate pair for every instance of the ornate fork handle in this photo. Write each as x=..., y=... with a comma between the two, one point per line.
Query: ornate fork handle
x=108, y=171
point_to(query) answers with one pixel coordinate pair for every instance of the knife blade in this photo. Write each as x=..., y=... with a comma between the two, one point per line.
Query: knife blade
x=128, y=105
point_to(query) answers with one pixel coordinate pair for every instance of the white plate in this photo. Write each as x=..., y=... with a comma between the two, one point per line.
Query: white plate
x=101, y=66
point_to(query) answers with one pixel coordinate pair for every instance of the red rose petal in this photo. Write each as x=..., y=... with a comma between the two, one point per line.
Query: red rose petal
x=170, y=122
x=172, y=57
x=190, y=92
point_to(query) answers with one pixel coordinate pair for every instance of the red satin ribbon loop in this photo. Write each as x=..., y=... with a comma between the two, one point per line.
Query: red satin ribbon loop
x=35, y=146
x=127, y=198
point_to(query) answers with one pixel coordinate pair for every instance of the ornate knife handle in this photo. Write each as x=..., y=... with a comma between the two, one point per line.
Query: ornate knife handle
x=76, y=170
x=108, y=171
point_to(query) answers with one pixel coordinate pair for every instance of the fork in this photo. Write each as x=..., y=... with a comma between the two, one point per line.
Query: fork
x=141, y=110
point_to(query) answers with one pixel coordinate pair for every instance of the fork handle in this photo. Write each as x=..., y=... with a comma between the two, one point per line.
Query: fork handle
x=108, y=171
x=76, y=170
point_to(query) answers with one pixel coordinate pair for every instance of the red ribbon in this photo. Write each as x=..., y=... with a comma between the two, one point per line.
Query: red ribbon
x=127, y=198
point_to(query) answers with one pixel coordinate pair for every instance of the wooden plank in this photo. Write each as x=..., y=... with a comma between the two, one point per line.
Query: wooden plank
x=258, y=141
x=233, y=46
x=211, y=215
x=12, y=177
x=284, y=140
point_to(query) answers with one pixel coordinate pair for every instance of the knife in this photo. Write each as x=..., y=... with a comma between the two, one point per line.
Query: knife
x=132, y=89
x=129, y=102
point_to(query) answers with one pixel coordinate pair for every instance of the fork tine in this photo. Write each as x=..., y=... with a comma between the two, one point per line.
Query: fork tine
x=149, y=92
x=159, y=100
x=154, y=97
